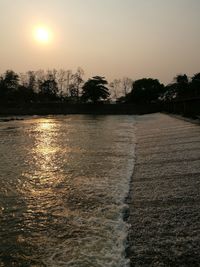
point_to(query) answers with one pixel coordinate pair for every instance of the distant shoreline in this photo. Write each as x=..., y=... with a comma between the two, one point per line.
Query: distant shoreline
x=65, y=108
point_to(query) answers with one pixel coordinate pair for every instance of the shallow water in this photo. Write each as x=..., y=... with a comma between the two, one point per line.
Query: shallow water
x=63, y=181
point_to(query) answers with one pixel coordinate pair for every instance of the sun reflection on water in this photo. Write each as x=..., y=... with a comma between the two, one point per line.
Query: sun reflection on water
x=44, y=171
x=66, y=191
x=45, y=146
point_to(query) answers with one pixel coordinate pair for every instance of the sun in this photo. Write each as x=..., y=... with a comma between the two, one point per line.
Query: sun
x=42, y=35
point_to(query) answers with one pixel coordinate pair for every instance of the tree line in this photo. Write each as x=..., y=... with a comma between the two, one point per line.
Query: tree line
x=67, y=86
x=148, y=90
x=40, y=86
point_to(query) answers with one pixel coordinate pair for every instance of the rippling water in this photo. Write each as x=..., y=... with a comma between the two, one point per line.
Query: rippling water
x=63, y=180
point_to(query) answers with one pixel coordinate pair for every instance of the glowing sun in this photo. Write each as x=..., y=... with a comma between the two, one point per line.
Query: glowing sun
x=42, y=35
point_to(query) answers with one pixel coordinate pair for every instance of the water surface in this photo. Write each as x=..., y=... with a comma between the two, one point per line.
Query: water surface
x=63, y=180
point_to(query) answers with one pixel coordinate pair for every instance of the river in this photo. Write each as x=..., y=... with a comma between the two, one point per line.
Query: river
x=63, y=182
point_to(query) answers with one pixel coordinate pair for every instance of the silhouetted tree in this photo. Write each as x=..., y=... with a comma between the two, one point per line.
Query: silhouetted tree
x=120, y=88
x=9, y=84
x=49, y=89
x=181, y=79
x=116, y=89
x=24, y=95
x=64, y=85
x=196, y=78
x=127, y=85
x=32, y=82
x=33, y=86
x=75, y=84
x=69, y=78
x=195, y=85
x=95, y=90
x=170, y=93
x=182, y=85
x=63, y=81
x=145, y=91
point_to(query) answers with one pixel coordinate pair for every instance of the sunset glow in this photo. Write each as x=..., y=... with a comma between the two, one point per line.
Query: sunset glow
x=42, y=35
x=114, y=38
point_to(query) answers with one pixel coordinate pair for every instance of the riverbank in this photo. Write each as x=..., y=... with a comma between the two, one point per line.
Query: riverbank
x=66, y=108
x=164, y=196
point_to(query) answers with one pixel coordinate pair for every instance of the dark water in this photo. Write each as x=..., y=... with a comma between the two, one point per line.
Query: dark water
x=63, y=180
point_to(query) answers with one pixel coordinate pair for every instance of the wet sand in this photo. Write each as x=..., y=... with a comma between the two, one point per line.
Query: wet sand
x=164, y=198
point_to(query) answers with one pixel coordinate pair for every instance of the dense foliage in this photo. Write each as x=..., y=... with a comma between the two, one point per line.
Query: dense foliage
x=41, y=86
x=95, y=90
x=183, y=88
x=145, y=91
x=66, y=86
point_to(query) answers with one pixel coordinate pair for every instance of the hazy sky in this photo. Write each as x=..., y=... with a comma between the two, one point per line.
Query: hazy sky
x=113, y=38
